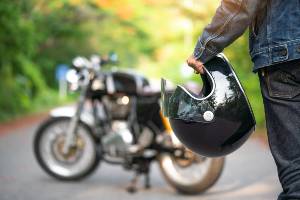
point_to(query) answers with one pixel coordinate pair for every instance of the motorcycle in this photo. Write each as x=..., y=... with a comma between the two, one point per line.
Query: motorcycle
x=118, y=120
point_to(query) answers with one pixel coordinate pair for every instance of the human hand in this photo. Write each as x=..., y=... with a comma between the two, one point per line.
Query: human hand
x=195, y=64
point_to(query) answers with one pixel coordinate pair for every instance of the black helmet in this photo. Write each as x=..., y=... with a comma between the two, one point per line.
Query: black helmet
x=219, y=119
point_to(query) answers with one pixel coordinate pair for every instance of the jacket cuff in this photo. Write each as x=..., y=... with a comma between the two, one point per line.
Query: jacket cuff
x=203, y=54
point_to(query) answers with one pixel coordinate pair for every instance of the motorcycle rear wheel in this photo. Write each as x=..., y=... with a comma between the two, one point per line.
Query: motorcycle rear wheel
x=57, y=165
x=206, y=174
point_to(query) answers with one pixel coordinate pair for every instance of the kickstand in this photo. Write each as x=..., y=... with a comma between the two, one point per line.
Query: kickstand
x=132, y=188
x=147, y=181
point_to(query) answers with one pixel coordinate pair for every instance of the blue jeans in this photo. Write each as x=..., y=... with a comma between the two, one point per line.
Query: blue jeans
x=280, y=87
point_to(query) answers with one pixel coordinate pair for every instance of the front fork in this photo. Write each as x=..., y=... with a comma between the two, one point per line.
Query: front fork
x=70, y=134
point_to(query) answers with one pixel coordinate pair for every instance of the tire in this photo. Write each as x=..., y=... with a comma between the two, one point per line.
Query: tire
x=211, y=176
x=44, y=163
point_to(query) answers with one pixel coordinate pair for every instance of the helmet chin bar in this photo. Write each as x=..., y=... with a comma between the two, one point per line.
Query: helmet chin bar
x=184, y=104
x=210, y=83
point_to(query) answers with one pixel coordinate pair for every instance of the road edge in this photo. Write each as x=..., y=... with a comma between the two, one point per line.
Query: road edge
x=22, y=122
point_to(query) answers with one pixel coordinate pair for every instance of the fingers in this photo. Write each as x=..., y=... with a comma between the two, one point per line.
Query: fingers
x=196, y=65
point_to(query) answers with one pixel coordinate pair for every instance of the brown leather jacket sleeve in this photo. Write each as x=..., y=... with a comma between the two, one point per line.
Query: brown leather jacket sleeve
x=230, y=21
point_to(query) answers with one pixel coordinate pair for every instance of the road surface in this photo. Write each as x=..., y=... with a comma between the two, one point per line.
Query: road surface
x=249, y=174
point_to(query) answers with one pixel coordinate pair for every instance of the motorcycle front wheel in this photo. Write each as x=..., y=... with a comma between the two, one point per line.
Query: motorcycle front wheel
x=82, y=158
x=191, y=176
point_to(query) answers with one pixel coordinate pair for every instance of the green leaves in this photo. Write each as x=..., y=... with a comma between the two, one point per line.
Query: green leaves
x=154, y=36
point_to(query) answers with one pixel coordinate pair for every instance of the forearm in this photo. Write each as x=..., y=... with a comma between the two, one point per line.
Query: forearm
x=231, y=20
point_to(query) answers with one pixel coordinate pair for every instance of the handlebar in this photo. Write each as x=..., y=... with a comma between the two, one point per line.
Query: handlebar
x=95, y=62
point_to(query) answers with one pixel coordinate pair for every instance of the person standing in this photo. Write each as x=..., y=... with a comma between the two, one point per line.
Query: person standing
x=274, y=46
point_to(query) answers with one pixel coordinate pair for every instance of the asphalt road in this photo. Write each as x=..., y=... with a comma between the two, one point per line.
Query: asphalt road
x=249, y=175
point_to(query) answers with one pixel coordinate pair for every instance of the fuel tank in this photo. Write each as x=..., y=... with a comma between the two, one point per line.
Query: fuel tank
x=129, y=83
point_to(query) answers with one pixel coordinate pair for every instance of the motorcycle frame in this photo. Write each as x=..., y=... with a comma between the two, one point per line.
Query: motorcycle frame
x=102, y=126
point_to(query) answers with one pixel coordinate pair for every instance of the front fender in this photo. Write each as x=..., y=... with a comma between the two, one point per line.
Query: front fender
x=69, y=111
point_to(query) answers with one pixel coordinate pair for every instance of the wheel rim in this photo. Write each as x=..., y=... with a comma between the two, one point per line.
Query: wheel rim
x=185, y=174
x=80, y=157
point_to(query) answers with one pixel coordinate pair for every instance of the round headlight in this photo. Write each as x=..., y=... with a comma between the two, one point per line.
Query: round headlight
x=72, y=76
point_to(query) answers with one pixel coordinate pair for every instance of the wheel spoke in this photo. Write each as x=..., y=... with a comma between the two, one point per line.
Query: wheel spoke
x=79, y=158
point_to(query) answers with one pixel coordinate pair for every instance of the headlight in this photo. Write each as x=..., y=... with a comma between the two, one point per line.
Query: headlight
x=72, y=76
x=73, y=79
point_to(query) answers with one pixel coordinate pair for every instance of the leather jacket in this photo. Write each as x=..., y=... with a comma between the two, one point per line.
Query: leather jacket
x=274, y=30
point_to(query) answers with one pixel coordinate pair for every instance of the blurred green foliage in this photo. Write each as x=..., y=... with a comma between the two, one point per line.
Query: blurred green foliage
x=153, y=36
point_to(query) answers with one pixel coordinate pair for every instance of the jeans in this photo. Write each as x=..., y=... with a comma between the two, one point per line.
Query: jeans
x=280, y=87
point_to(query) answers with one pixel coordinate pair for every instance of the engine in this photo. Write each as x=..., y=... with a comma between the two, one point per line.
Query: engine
x=118, y=141
x=118, y=106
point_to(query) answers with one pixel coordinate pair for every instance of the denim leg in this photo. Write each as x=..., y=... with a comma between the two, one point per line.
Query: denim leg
x=280, y=87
